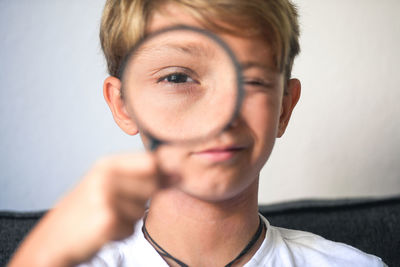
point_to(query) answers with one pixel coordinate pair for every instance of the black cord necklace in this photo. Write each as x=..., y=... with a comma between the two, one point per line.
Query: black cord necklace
x=164, y=253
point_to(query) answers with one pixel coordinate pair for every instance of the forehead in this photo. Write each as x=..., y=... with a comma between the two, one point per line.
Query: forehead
x=181, y=41
x=250, y=51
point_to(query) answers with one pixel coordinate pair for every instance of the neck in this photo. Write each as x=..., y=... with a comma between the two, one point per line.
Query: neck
x=204, y=233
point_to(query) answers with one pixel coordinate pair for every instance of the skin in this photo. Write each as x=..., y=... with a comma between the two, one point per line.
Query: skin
x=214, y=213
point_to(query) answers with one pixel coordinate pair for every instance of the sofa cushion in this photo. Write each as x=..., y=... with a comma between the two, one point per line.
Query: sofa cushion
x=371, y=225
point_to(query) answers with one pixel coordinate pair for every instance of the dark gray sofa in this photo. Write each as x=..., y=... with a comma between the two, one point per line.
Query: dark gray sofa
x=372, y=225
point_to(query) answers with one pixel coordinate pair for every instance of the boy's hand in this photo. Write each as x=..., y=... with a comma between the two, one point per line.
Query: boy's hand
x=102, y=208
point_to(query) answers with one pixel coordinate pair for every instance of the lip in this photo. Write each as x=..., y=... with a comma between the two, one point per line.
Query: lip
x=219, y=154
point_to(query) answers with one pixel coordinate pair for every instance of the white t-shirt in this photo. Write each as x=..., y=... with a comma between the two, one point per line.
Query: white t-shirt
x=280, y=248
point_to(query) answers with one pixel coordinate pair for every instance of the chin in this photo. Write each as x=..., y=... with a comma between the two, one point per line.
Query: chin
x=219, y=186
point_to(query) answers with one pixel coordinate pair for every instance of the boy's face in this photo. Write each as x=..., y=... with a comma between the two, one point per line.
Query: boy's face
x=228, y=165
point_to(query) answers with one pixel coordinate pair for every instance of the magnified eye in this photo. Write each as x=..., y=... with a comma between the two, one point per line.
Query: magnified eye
x=176, y=78
x=179, y=84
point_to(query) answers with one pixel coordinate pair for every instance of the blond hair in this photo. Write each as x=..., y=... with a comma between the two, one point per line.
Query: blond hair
x=124, y=23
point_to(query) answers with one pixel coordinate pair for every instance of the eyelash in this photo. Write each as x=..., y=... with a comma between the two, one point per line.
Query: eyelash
x=178, y=74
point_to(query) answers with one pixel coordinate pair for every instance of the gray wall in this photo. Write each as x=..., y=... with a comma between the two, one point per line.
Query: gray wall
x=344, y=139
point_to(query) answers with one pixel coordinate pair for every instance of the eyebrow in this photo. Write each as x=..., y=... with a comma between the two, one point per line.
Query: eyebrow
x=196, y=49
x=192, y=48
x=253, y=64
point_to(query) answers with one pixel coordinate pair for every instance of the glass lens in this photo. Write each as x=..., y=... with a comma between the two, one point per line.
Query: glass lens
x=183, y=85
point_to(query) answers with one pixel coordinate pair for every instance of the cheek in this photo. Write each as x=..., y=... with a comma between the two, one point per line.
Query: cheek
x=261, y=113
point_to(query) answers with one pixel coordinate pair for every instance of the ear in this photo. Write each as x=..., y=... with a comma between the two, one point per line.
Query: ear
x=289, y=101
x=112, y=94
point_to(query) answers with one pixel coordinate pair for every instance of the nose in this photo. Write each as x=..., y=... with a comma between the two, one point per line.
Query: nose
x=237, y=117
x=235, y=122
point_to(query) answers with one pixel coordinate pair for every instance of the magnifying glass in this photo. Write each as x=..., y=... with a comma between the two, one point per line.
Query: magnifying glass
x=184, y=85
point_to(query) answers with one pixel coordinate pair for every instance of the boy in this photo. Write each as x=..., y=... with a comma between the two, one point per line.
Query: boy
x=212, y=221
